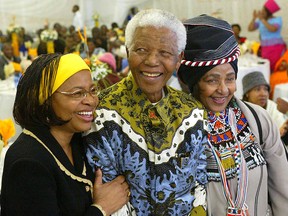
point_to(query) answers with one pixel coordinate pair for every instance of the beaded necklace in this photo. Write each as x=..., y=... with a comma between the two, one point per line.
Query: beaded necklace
x=238, y=206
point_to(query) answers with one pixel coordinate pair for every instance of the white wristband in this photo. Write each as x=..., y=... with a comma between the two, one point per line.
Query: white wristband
x=100, y=208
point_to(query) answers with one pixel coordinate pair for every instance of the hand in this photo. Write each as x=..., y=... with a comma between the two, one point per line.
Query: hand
x=283, y=129
x=261, y=16
x=111, y=196
x=255, y=14
x=282, y=105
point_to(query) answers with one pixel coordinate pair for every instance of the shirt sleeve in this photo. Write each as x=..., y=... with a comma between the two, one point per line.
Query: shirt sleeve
x=100, y=154
x=275, y=156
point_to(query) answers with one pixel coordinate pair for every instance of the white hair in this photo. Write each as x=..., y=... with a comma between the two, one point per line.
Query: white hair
x=156, y=18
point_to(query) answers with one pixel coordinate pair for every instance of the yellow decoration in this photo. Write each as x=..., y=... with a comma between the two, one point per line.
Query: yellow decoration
x=84, y=36
x=50, y=46
x=17, y=67
x=15, y=44
x=1, y=145
x=255, y=47
x=32, y=52
x=96, y=19
x=7, y=130
x=9, y=70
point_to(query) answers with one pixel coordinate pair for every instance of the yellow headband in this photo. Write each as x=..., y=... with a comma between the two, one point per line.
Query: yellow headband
x=69, y=65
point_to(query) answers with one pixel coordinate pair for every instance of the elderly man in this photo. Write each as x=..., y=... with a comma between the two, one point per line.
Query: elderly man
x=148, y=131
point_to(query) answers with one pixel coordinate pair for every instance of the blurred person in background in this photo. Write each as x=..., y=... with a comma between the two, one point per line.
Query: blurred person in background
x=256, y=90
x=270, y=27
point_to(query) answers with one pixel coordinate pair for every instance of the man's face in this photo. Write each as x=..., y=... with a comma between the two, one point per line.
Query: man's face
x=153, y=57
x=8, y=51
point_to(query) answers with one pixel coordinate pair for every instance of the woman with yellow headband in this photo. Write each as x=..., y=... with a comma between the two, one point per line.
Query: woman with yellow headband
x=45, y=170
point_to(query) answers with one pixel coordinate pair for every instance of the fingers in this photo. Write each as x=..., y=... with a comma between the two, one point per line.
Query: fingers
x=120, y=179
x=98, y=177
x=123, y=183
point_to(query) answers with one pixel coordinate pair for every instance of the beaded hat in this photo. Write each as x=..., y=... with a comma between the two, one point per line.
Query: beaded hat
x=272, y=6
x=210, y=42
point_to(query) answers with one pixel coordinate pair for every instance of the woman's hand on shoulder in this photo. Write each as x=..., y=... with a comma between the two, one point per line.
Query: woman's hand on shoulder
x=111, y=196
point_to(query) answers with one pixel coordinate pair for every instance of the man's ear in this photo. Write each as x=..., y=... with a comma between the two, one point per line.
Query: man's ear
x=180, y=57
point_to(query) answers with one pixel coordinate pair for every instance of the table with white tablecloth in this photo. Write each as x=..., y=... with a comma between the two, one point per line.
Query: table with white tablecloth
x=7, y=97
x=248, y=64
x=281, y=90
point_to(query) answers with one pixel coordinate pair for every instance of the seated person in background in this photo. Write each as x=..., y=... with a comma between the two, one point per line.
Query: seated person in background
x=59, y=47
x=70, y=44
x=279, y=74
x=237, y=29
x=99, y=39
x=93, y=48
x=25, y=41
x=256, y=90
x=9, y=64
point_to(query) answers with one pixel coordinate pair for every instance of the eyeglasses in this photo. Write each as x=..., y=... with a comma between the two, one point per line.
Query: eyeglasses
x=81, y=93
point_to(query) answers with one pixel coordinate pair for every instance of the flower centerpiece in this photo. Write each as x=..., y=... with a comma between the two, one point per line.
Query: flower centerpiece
x=14, y=31
x=7, y=130
x=48, y=36
x=99, y=70
x=12, y=28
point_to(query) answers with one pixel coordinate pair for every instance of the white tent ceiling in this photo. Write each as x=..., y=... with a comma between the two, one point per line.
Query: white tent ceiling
x=33, y=14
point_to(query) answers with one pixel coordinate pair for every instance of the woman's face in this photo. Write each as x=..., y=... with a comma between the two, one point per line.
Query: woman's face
x=264, y=13
x=217, y=87
x=258, y=95
x=153, y=57
x=67, y=106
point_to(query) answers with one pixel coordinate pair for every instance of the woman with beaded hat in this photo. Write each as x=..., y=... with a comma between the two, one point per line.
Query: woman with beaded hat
x=244, y=161
x=45, y=170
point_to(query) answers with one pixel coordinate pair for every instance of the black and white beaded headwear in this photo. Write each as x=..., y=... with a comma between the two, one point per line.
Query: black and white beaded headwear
x=210, y=42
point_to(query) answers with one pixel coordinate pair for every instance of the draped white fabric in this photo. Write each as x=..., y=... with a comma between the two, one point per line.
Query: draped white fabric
x=32, y=14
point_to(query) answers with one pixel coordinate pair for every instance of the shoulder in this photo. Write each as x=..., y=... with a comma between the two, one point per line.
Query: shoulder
x=27, y=148
x=2, y=60
x=272, y=104
x=261, y=112
x=115, y=89
x=276, y=20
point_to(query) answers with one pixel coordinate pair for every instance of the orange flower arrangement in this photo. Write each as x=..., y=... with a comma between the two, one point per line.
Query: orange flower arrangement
x=7, y=130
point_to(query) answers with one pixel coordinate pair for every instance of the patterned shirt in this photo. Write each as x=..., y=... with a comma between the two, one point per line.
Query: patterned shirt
x=158, y=147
